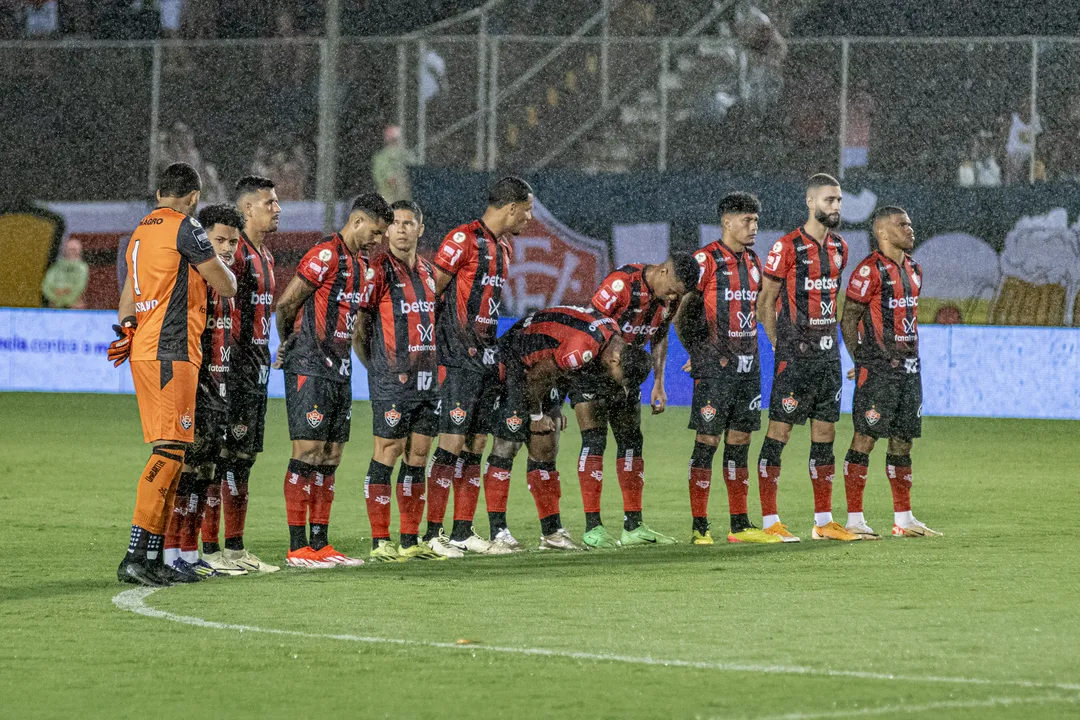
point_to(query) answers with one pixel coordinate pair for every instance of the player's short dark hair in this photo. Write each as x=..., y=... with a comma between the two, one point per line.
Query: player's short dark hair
x=221, y=214
x=818, y=180
x=738, y=202
x=373, y=205
x=636, y=365
x=885, y=211
x=686, y=269
x=178, y=180
x=509, y=189
x=252, y=183
x=410, y=206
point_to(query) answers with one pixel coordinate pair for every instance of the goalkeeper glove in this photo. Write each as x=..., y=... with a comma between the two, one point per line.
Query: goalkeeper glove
x=120, y=349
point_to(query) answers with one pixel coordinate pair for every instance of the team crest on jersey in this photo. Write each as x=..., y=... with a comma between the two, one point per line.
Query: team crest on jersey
x=586, y=356
x=185, y=420
x=708, y=412
x=458, y=415
x=700, y=257
x=392, y=416
x=514, y=423
x=239, y=431
x=872, y=415
x=865, y=271
x=458, y=237
x=754, y=273
x=325, y=255
x=837, y=260
x=915, y=279
x=431, y=284
x=369, y=274
x=790, y=404
x=618, y=285
x=315, y=417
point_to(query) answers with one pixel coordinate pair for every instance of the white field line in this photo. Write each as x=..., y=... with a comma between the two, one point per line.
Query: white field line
x=135, y=601
x=927, y=707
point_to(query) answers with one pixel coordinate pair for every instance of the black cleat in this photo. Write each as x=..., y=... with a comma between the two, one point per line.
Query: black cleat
x=136, y=572
x=170, y=575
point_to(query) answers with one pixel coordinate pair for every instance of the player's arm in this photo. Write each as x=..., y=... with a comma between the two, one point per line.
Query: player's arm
x=766, y=307
x=849, y=324
x=120, y=348
x=659, y=356
x=454, y=253
x=442, y=279
x=218, y=276
x=288, y=307
x=539, y=379
x=126, y=309
x=362, y=336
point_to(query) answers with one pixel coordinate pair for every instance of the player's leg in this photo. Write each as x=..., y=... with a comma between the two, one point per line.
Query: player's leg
x=459, y=391
x=707, y=421
x=339, y=423
x=390, y=428
x=543, y=479
x=500, y=464
x=824, y=414
x=236, y=473
x=466, y=498
x=208, y=565
x=742, y=413
x=625, y=419
x=178, y=519
x=856, y=466
x=789, y=404
x=906, y=425
x=410, y=486
x=593, y=422
x=307, y=412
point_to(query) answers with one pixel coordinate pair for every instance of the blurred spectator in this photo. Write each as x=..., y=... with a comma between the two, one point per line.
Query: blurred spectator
x=860, y=109
x=432, y=75
x=389, y=167
x=1019, y=147
x=65, y=282
x=178, y=145
x=289, y=169
x=980, y=168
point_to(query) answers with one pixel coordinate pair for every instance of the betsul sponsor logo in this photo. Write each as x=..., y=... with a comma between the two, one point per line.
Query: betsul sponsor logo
x=820, y=284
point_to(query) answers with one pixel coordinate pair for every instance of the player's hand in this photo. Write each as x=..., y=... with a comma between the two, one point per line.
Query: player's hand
x=686, y=367
x=283, y=351
x=543, y=425
x=851, y=374
x=659, y=398
x=562, y=422
x=120, y=348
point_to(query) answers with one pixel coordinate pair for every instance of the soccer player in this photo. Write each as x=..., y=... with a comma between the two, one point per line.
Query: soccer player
x=249, y=373
x=471, y=270
x=722, y=339
x=797, y=308
x=641, y=299
x=316, y=317
x=881, y=333
x=395, y=340
x=540, y=354
x=222, y=224
x=170, y=261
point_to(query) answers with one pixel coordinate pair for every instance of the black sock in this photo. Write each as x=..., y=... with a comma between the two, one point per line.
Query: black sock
x=319, y=535
x=496, y=522
x=209, y=548
x=631, y=520
x=432, y=531
x=740, y=522
x=701, y=525
x=592, y=520
x=376, y=542
x=235, y=543
x=137, y=543
x=550, y=524
x=297, y=537
x=154, y=544
x=771, y=451
x=408, y=540
x=462, y=530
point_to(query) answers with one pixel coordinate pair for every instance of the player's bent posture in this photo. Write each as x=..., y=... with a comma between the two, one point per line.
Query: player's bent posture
x=471, y=270
x=162, y=315
x=540, y=354
x=641, y=299
x=797, y=308
x=881, y=333
x=719, y=327
x=249, y=373
x=222, y=224
x=395, y=339
x=316, y=317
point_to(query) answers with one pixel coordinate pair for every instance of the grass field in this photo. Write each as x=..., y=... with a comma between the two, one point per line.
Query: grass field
x=982, y=623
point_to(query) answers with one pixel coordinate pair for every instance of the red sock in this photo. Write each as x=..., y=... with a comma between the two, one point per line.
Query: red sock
x=768, y=484
x=590, y=472
x=377, y=495
x=737, y=480
x=234, y=500
x=700, y=482
x=854, y=484
x=177, y=513
x=497, y=484
x=900, y=482
x=631, y=474
x=298, y=492
x=322, y=495
x=821, y=477
x=211, y=516
x=189, y=528
x=546, y=491
x=467, y=487
x=410, y=499
x=440, y=478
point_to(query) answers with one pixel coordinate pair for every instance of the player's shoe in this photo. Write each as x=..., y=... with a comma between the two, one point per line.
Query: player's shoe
x=245, y=559
x=559, y=540
x=753, y=535
x=203, y=569
x=171, y=575
x=419, y=551
x=183, y=567
x=306, y=559
x=440, y=545
x=386, y=552
x=136, y=572
x=701, y=538
x=914, y=529
x=832, y=531
x=222, y=565
x=645, y=535
x=864, y=531
x=504, y=538
x=780, y=530
x=476, y=544
x=330, y=555
x=600, y=539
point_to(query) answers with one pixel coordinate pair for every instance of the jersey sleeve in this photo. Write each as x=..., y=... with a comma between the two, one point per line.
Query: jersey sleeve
x=865, y=284
x=781, y=258
x=455, y=252
x=576, y=353
x=317, y=266
x=374, y=287
x=613, y=296
x=843, y=253
x=193, y=243
x=706, y=274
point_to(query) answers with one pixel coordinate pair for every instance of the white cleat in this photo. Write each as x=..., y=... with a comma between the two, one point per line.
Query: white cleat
x=248, y=561
x=558, y=540
x=914, y=529
x=504, y=539
x=223, y=565
x=440, y=545
x=476, y=544
x=864, y=531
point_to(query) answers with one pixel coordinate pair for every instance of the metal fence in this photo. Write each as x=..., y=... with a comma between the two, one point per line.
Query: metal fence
x=95, y=120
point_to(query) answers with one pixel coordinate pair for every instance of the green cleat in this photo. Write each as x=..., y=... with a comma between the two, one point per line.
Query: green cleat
x=701, y=538
x=645, y=535
x=419, y=551
x=600, y=539
x=386, y=552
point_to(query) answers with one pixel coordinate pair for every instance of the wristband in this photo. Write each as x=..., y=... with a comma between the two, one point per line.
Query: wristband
x=536, y=417
x=129, y=321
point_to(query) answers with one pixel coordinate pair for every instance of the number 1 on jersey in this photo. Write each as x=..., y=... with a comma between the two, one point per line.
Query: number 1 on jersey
x=135, y=267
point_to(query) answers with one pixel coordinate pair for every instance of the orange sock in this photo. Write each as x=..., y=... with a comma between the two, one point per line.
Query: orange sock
x=157, y=488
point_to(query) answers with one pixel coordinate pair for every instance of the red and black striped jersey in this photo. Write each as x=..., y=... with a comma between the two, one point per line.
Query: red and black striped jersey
x=251, y=321
x=467, y=314
x=889, y=330
x=216, y=348
x=729, y=283
x=626, y=298
x=324, y=326
x=571, y=336
x=809, y=275
x=402, y=302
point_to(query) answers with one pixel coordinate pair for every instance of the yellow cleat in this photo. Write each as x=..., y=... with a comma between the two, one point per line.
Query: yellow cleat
x=386, y=552
x=699, y=538
x=914, y=529
x=832, y=531
x=419, y=551
x=780, y=530
x=752, y=535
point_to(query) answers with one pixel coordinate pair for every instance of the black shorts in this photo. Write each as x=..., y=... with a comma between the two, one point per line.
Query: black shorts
x=318, y=409
x=887, y=403
x=731, y=401
x=509, y=416
x=585, y=386
x=247, y=421
x=804, y=390
x=465, y=400
x=410, y=413
x=211, y=424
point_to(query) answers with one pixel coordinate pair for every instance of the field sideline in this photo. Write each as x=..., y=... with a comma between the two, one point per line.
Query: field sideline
x=982, y=623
